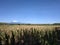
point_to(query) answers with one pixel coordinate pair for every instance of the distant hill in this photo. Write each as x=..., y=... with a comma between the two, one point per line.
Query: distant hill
x=18, y=23
x=56, y=24
x=11, y=23
x=2, y=23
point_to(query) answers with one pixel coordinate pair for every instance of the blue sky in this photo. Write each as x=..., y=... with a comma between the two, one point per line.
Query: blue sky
x=30, y=11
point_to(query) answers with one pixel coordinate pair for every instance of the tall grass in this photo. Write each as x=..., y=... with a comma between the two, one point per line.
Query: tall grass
x=29, y=37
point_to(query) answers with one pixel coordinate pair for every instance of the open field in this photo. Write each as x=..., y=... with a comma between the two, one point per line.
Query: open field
x=18, y=27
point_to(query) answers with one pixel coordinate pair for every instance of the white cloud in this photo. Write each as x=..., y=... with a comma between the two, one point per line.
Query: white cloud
x=14, y=21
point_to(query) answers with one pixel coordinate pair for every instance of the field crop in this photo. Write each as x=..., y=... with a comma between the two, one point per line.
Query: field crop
x=29, y=35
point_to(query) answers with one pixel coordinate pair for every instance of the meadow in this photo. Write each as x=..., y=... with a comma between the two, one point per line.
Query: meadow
x=29, y=35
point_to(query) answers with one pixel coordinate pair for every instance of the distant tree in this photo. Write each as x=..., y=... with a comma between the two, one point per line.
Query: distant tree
x=56, y=24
